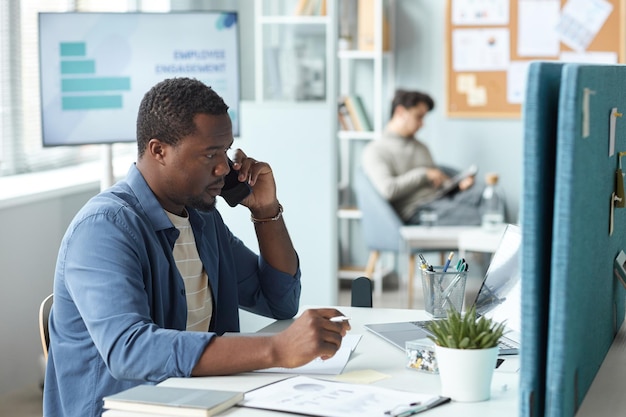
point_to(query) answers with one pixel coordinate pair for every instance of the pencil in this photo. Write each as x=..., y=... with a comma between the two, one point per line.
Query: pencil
x=447, y=264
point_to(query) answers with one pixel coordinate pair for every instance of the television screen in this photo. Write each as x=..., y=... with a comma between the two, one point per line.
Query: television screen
x=96, y=67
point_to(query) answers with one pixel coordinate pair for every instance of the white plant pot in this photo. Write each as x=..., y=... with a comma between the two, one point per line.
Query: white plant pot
x=466, y=373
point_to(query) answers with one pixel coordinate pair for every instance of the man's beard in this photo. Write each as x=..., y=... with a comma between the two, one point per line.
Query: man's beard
x=199, y=204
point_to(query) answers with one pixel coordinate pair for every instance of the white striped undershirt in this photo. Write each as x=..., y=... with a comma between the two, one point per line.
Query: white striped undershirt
x=199, y=298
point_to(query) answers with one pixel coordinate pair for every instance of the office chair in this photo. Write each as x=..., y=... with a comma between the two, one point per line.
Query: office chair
x=361, y=292
x=44, y=314
x=381, y=226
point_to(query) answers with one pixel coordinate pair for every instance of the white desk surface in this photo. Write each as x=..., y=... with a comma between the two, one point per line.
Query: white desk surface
x=374, y=353
x=480, y=240
x=435, y=237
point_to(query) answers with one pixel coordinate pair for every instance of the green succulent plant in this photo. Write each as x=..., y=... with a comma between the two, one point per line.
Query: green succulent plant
x=467, y=332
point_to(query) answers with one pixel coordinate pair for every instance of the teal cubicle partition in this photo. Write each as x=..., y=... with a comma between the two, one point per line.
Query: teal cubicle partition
x=539, y=115
x=586, y=300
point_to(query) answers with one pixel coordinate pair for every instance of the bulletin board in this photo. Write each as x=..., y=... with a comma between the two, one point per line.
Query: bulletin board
x=490, y=44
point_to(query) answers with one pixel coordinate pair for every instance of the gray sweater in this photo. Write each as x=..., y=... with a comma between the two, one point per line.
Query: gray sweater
x=397, y=167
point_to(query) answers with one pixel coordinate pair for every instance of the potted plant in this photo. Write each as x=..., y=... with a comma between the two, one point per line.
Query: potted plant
x=466, y=348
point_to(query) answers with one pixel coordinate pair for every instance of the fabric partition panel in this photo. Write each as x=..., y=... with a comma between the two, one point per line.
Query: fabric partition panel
x=539, y=115
x=586, y=300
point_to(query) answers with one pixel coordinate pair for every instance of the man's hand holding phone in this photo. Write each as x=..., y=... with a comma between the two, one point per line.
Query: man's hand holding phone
x=234, y=191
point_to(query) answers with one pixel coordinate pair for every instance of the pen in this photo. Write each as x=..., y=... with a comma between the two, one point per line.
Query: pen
x=339, y=319
x=460, y=266
x=423, y=260
x=404, y=409
x=415, y=408
x=447, y=264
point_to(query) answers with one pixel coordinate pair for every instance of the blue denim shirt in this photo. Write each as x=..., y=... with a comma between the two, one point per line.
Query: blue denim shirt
x=119, y=300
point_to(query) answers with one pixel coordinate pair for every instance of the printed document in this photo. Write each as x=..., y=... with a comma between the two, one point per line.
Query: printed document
x=317, y=397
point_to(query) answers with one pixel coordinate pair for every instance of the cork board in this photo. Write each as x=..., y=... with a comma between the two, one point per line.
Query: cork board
x=489, y=44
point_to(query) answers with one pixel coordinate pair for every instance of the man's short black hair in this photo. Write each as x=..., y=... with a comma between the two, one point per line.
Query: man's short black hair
x=167, y=110
x=408, y=99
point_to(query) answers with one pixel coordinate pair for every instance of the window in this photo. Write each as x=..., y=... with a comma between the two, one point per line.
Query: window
x=21, y=149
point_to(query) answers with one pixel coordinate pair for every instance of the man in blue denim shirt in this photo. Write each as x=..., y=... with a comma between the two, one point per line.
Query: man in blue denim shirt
x=120, y=313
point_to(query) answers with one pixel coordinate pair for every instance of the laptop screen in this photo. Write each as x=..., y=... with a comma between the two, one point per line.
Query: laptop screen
x=499, y=297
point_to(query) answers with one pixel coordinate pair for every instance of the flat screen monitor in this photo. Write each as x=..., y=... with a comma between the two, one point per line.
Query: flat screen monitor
x=96, y=67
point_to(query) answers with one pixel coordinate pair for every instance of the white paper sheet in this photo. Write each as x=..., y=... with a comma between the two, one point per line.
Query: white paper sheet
x=516, y=81
x=592, y=57
x=536, y=28
x=317, y=397
x=480, y=49
x=581, y=20
x=331, y=366
x=480, y=12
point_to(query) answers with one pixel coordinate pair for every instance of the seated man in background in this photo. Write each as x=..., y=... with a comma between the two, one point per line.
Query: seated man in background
x=402, y=169
x=148, y=276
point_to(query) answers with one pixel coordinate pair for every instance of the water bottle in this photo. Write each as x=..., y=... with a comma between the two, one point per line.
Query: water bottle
x=492, y=204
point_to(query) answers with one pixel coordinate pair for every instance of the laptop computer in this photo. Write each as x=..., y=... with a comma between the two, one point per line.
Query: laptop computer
x=499, y=298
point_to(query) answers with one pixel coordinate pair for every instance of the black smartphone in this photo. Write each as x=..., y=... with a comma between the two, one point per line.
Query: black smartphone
x=234, y=191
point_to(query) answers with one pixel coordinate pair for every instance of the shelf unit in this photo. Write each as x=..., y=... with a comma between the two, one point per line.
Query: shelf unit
x=293, y=53
x=354, y=64
x=296, y=132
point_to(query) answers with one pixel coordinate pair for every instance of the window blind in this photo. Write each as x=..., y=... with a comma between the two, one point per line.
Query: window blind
x=21, y=149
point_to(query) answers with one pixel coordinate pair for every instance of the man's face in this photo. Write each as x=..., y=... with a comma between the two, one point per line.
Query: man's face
x=413, y=117
x=196, y=166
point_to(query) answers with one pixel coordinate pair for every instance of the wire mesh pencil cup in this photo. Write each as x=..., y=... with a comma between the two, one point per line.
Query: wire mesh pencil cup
x=443, y=290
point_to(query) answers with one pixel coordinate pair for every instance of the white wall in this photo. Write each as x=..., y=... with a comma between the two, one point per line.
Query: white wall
x=29, y=242
x=294, y=139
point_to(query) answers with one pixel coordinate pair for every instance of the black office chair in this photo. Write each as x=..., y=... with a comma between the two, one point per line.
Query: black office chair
x=361, y=293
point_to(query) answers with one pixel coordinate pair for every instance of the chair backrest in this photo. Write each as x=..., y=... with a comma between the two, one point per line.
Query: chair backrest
x=44, y=314
x=380, y=222
x=361, y=292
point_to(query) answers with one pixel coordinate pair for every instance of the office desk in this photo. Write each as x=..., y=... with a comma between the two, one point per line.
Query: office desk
x=373, y=353
x=480, y=240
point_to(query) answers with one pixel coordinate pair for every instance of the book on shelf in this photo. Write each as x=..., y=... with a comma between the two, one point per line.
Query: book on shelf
x=310, y=8
x=345, y=122
x=365, y=27
x=357, y=113
x=173, y=401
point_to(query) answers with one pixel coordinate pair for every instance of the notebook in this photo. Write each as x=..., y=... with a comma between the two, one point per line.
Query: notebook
x=499, y=298
x=173, y=401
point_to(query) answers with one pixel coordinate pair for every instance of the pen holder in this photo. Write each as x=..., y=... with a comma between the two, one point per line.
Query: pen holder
x=443, y=290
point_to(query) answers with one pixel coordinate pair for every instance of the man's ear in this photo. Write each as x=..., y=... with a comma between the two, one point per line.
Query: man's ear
x=400, y=112
x=156, y=150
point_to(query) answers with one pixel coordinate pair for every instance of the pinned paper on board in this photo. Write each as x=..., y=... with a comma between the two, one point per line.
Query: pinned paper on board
x=465, y=83
x=536, y=23
x=581, y=20
x=516, y=81
x=480, y=49
x=476, y=95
